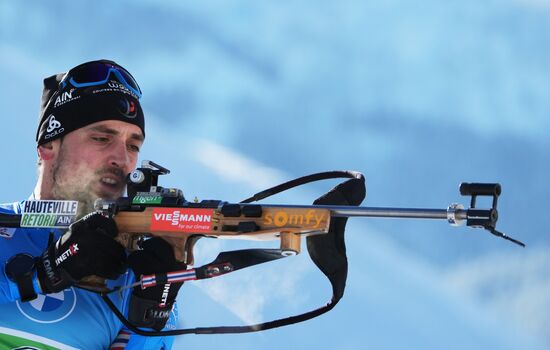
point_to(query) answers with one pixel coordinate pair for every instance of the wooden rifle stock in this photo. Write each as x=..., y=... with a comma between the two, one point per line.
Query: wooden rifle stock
x=182, y=227
x=286, y=224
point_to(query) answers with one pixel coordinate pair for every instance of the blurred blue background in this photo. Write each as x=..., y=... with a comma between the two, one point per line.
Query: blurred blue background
x=242, y=95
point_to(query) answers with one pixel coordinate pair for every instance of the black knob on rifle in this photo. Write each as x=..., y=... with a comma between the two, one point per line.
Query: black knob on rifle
x=480, y=189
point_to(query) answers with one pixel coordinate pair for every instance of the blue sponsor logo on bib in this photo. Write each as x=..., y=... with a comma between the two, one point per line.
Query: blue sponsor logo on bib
x=49, y=308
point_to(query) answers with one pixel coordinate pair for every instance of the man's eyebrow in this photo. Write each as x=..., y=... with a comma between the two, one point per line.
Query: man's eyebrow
x=137, y=137
x=106, y=130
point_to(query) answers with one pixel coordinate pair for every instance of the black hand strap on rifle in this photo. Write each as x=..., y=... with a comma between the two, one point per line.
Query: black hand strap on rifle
x=327, y=251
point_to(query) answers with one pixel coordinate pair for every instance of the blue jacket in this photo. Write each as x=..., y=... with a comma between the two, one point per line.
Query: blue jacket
x=71, y=319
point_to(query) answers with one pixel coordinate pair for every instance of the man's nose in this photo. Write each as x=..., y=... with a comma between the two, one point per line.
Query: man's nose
x=118, y=155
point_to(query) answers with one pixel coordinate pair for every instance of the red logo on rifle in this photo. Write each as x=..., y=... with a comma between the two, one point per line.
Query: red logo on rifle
x=181, y=219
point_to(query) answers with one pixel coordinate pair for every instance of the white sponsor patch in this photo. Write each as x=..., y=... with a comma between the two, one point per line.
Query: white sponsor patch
x=52, y=213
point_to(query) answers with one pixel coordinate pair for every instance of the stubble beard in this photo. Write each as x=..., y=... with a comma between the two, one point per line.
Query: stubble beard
x=76, y=185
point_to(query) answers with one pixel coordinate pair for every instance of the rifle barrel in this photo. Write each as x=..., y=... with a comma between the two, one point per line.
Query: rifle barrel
x=381, y=212
x=391, y=212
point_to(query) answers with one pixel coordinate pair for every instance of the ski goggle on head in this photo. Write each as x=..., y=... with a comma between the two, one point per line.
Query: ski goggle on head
x=98, y=73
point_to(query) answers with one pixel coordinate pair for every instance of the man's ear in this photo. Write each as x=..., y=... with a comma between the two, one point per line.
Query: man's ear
x=48, y=151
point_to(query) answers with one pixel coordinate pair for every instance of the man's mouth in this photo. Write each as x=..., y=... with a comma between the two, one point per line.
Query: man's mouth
x=109, y=181
x=112, y=183
x=111, y=186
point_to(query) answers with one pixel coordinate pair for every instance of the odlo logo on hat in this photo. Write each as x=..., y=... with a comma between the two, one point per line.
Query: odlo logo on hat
x=127, y=108
x=52, y=124
x=54, y=127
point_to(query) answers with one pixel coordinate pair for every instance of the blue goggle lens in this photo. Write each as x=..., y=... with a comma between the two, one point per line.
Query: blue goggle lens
x=98, y=73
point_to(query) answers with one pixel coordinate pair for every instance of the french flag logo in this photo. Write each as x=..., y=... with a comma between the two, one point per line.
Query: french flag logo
x=121, y=341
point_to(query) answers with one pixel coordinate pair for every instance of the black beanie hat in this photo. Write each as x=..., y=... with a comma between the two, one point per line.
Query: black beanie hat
x=66, y=108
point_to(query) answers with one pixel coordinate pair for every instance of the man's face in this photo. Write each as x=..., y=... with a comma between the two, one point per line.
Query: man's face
x=93, y=162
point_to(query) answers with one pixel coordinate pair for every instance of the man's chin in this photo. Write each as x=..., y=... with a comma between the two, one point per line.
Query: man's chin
x=108, y=192
x=87, y=205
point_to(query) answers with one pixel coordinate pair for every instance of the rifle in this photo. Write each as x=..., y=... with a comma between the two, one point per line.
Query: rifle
x=152, y=210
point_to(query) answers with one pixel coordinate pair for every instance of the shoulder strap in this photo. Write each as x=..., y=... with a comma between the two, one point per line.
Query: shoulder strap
x=328, y=252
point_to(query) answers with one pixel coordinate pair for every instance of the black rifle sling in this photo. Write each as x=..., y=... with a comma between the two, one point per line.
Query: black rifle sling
x=328, y=252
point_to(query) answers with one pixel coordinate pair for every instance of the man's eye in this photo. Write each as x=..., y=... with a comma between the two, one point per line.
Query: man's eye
x=133, y=148
x=100, y=139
